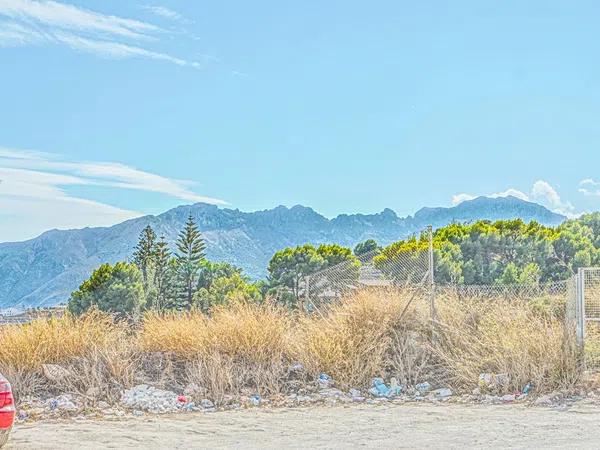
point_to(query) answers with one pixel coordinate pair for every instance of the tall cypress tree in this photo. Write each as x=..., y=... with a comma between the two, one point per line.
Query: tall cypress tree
x=190, y=246
x=143, y=255
x=162, y=275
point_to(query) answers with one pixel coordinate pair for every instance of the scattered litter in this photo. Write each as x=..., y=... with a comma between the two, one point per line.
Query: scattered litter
x=324, y=380
x=207, y=404
x=423, y=388
x=256, y=400
x=442, y=393
x=380, y=389
x=61, y=403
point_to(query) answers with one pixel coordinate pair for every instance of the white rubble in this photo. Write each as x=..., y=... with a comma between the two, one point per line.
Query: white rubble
x=150, y=399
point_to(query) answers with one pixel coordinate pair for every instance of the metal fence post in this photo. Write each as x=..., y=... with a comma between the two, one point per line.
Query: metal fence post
x=307, y=293
x=580, y=307
x=431, y=283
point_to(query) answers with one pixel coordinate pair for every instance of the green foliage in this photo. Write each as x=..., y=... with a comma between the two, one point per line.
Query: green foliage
x=143, y=255
x=502, y=252
x=210, y=271
x=191, y=247
x=225, y=289
x=163, y=274
x=289, y=267
x=115, y=289
x=368, y=246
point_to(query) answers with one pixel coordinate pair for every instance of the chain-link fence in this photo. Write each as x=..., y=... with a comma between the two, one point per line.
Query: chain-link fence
x=584, y=306
x=577, y=299
x=407, y=270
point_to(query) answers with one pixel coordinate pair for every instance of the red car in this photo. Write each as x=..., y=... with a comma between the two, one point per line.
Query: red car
x=7, y=410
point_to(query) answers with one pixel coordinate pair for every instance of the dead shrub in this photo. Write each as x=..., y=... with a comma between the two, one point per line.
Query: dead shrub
x=352, y=341
x=503, y=336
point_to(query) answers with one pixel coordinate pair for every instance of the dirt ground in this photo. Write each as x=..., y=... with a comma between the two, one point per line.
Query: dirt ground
x=390, y=426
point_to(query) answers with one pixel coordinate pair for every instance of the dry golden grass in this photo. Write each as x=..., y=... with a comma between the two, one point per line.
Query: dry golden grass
x=56, y=340
x=502, y=336
x=246, y=347
x=96, y=351
x=184, y=335
x=241, y=345
x=352, y=341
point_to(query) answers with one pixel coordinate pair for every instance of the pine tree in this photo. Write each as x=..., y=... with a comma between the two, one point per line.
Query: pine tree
x=190, y=246
x=143, y=255
x=162, y=272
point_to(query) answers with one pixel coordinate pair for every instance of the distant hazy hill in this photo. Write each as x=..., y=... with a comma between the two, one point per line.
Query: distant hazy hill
x=45, y=270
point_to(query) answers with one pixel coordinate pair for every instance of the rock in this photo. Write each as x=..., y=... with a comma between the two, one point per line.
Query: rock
x=544, y=400
x=331, y=393
x=54, y=372
x=423, y=388
x=138, y=413
x=207, y=404
x=476, y=391
x=508, y=398
x=442, y=393
x=103, y=405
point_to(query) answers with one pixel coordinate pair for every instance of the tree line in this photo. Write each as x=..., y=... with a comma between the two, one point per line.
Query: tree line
x=483, y=252
x=160, y=280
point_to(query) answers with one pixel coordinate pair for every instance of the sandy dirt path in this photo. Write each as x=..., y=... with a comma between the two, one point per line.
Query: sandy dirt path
x=356, y=426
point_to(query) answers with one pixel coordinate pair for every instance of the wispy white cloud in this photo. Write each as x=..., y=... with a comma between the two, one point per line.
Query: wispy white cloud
x=163, y=11
x=34, y=192
x=541, y=192
x=589, y=187
x=70, y=17
x=457, y=199
x=39, y=22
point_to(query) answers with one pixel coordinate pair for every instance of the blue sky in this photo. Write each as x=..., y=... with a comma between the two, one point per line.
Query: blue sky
x=111, y=109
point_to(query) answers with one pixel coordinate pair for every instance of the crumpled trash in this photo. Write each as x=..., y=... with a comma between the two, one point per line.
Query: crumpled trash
x=207, y=404
x=324, y=380
x=423, y=388
x=380, y=389
x=508, y=398
x=491, y=381
x=442, y=393
x=61, y=403
x=528, y=388
x=182, y=399
x=256, y=400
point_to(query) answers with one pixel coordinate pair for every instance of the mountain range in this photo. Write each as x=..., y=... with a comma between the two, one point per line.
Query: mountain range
x=45, y=270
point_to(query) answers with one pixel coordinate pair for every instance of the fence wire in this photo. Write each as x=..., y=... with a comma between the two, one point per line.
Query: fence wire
x=408, y=270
